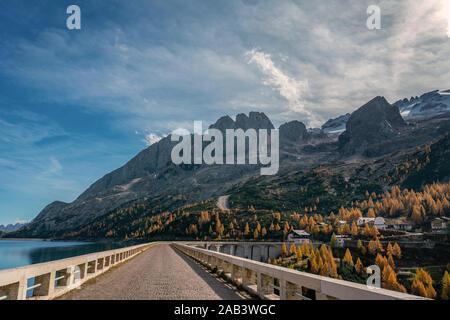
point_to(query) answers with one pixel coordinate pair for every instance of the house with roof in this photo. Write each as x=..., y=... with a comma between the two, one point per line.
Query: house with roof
x=362, y=221
x=439, y=224
x=380, y=223
x=340, y=240
x=298, y=236
x=399, y=224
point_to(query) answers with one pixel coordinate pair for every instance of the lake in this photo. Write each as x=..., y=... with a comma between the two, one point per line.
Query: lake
x=17, y=253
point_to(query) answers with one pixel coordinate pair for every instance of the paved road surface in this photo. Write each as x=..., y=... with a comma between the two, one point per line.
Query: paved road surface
x=222, y=203
x=158, y=273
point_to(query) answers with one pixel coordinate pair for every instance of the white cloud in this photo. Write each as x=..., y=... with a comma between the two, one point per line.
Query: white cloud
x=21, y=221
x=289, y=88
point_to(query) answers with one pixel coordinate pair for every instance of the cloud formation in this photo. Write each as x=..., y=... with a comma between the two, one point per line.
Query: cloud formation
x=289, y=88
x=154, y=66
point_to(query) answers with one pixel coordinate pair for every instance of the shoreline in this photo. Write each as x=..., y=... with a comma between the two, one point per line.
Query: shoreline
x=24, y=239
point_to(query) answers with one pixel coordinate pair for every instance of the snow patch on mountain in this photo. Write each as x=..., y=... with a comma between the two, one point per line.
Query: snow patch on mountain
x=426, y=105
x=337, y=125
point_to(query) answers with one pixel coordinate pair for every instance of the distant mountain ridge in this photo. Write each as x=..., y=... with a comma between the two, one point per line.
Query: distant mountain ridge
x=11, y=227
x=429, y=103
x=373, y=130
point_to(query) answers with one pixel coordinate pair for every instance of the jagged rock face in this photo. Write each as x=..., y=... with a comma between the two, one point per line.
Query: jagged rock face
x=375, y=122
x=150, y=173
x=255, y=120
x=224, y=123
x=293, y=132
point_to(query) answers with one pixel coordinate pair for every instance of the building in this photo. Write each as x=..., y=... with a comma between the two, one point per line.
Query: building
x=397, y=224
x=380, y=223
x=363, y=221
x=438, y=224
x=341, y=240
x=298, y=236
x=322, y=225
x=341, y=223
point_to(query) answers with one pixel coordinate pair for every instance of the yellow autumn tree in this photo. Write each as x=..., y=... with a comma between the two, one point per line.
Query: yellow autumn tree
x=284, y=251
x=263, y=232
x=293, y=249
x=359, y=266
x=397, y=252
x=348, y=257
x=247, y=229
x=299, y=254
x=445, y=286
x=423, y=284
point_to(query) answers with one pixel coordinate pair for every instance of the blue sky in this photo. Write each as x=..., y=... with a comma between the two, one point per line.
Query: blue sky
x=76, y=104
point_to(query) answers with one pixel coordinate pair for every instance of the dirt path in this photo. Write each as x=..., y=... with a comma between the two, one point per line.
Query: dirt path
x=160, y=273
x=222, y=203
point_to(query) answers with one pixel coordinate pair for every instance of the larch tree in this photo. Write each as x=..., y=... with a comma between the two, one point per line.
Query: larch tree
x=359, y=266
x=397, y=252
x=299, y=254
x=333, y=241
x=247, y=229
x=293, y=249
x=445, y=286
x=348, y=257
x=284, y=250
x=263, y=232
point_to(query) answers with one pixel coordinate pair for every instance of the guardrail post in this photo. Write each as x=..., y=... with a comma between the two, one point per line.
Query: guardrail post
x=51, y=289
x=283, y=290
x=246, y=276
x=22, y=291
x=233, y=271
x=259, y=284
x=321, y=296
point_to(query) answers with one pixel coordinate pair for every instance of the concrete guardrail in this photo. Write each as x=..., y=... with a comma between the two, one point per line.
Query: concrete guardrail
x=275, y=282
x=55, y=278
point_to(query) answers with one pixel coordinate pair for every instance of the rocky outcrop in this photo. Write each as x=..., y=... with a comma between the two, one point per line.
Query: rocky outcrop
x=293, y=132
x=375, y=122
x=255, y=120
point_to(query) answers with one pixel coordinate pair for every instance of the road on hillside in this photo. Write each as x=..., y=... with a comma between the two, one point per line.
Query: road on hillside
x=160, y=273
x=222, y=203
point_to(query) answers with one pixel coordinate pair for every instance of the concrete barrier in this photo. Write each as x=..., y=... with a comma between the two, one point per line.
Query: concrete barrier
x=274, y=282
x=55, y=278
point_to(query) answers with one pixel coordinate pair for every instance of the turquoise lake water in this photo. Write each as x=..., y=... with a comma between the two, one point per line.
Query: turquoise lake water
x=15, y=253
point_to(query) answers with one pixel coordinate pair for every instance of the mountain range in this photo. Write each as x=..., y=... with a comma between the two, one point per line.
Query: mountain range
x=374, y=132
x=11, y=227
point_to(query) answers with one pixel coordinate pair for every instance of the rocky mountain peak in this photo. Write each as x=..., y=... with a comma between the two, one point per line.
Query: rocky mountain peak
x=293, y=131
x=373, y=123
x=255, y=120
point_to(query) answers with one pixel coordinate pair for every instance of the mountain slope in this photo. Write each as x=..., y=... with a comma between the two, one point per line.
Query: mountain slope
x=373, y=123
x=376, y=129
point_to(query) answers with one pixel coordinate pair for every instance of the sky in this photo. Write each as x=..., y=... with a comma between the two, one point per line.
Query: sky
x=76, y=104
